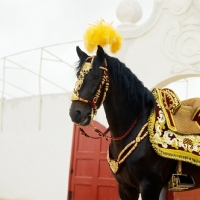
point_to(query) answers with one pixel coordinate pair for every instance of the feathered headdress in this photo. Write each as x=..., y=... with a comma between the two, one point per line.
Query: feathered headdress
x=102, y=34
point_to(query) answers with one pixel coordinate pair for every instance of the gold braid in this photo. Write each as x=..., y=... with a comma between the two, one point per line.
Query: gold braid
x=114, y=164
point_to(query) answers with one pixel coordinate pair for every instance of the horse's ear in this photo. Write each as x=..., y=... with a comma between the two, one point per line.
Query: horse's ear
x=82, y=55
x=100, y=53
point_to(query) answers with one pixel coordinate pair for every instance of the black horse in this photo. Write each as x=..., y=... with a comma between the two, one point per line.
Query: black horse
x=127, y=104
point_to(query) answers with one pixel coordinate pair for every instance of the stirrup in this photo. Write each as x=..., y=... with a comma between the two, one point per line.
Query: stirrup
x=179, y=181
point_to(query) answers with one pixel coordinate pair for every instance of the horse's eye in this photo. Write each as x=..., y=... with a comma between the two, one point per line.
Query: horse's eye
x=96, y=77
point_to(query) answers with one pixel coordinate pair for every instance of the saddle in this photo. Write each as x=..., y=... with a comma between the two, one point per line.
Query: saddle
x=181, y=116
x=174, y=129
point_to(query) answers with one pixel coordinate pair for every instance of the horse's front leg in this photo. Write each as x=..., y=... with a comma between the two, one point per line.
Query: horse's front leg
x=127, y=193
x=150, y=189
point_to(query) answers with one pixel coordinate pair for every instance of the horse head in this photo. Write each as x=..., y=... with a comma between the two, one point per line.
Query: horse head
x=90, y=88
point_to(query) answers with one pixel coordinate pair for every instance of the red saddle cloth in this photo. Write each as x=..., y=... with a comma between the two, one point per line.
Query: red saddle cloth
x=173, y=127
x=181, y=116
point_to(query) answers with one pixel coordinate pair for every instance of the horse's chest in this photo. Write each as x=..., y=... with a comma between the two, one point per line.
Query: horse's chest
x=128, y=176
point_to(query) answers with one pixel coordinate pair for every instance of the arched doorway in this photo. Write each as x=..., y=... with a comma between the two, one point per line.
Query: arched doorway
x=185, y=86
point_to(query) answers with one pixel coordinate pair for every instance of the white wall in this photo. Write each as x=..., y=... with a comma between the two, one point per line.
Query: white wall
x=166, y=47
x=34, y=164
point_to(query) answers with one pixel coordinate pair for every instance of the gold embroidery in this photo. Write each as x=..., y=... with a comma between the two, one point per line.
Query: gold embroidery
x=170, y=144
x=114, y=164
x=85, y=70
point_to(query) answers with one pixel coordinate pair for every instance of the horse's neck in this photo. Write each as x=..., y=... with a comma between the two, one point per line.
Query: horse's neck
x=119, y=116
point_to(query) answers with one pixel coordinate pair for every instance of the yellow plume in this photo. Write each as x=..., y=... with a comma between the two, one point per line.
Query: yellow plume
x=102, y=34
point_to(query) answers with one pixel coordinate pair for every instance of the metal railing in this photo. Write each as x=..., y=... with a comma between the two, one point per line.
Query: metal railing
x=14, y=67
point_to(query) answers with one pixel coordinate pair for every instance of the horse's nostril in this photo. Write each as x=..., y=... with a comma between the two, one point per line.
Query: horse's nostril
x=78, y=112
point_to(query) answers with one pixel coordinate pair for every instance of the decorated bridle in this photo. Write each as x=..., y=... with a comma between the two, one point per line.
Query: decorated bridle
x=101, y=34
x=87, y=66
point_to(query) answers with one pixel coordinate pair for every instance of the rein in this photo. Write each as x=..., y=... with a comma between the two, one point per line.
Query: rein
x=103, y=135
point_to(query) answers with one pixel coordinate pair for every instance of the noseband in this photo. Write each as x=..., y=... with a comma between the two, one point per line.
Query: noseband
x=104, y=81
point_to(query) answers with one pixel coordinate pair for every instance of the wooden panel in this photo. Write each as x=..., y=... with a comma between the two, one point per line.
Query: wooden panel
x=170, y=195
x=90, y=175
x=86, y=167
x=105, y=193
x=82, y=191
x=187, y=195
x=104, y=170
x=84, y=146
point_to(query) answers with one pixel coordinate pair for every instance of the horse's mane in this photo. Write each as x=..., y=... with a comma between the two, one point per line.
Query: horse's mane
x=138, y=97
x=78, y=65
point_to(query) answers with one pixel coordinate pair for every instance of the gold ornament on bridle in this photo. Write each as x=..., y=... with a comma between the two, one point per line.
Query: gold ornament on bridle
x=104, y=81
x=85, y=70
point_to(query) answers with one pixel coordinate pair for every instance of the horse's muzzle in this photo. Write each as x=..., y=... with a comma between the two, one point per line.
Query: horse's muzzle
x=80, y=113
